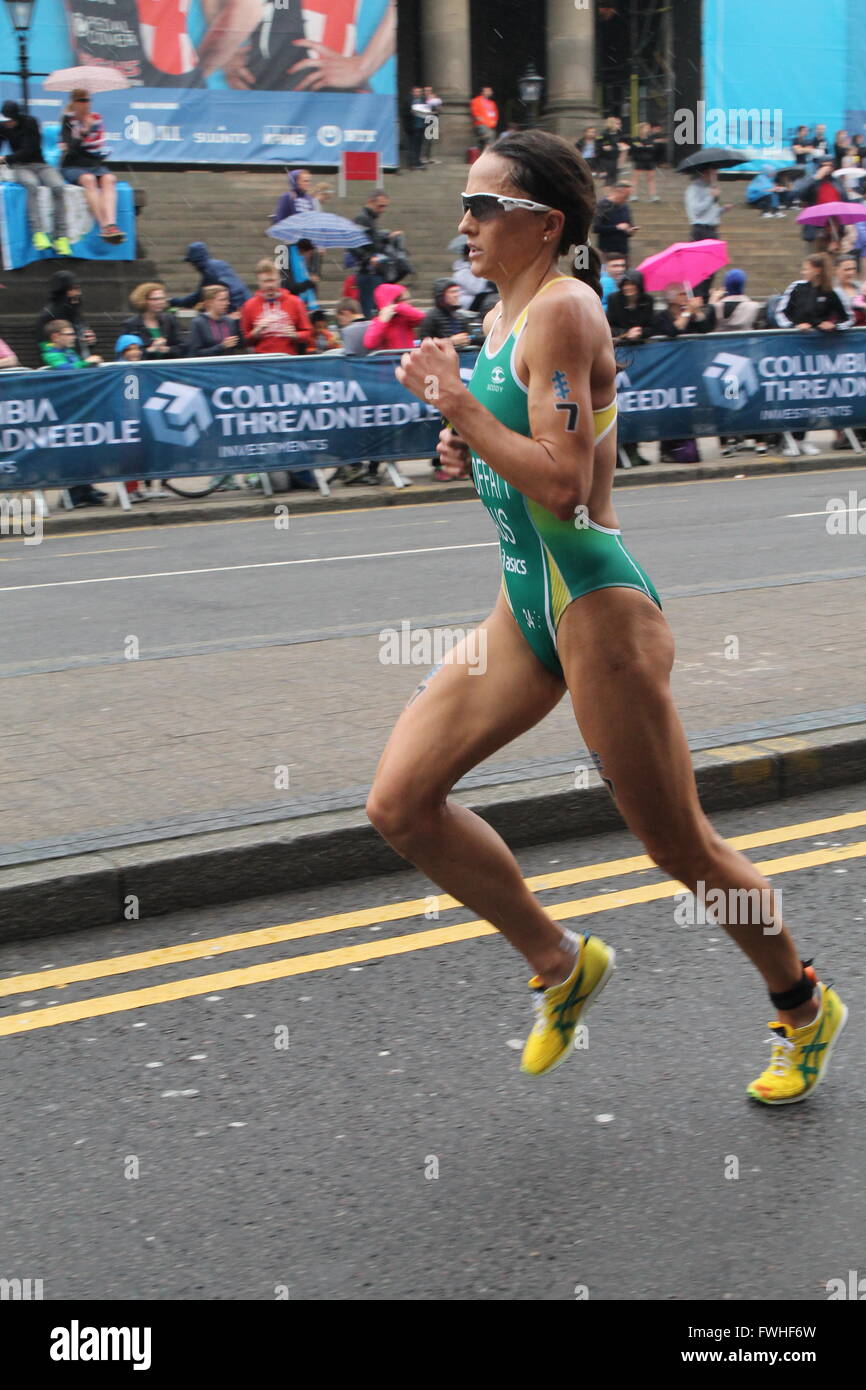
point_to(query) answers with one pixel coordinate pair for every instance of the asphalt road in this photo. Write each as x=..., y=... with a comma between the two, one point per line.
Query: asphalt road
x=355, y=1126
x=180, y=590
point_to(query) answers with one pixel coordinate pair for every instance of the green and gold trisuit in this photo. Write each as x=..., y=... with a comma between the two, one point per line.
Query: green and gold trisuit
x=546, y=563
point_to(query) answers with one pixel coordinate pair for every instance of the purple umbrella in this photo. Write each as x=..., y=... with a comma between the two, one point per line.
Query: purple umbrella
x=822, y=213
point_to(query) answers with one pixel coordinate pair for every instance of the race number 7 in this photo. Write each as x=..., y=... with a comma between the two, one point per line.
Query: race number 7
x=573, y=415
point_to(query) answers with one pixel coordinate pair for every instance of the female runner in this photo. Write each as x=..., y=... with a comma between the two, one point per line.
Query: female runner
x=575, y=612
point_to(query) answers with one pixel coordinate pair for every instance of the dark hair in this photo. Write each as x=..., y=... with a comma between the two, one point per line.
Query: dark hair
x=348, y=306
x=551, y=171
x=821, y=261
x=318, y=316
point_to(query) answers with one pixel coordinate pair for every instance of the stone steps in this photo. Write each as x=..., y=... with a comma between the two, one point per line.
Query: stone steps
x=230, y=210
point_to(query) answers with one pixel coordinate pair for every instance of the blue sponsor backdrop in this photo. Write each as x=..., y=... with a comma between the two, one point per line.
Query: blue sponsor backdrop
x=804, y=60
x=191, y=115
x=251, y=414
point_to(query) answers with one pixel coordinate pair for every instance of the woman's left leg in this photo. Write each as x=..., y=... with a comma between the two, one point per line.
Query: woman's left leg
x=617, y=651
x=108, y=199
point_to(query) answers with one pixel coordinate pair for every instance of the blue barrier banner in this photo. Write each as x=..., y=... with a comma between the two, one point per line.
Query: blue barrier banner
x=282, y=81
x=742, y=384
x=87, y=245
x=251, y=414
x=182, y=418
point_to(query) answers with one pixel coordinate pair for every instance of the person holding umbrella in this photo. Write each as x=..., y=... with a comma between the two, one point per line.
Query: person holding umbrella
x=703, y=207
x=82, y=139
x=815, y=193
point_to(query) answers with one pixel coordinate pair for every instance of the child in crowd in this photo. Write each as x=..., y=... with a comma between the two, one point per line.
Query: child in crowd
x=59, y=350
x=324, y=338
x=128, y=348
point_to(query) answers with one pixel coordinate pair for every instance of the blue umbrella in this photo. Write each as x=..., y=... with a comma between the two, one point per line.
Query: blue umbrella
x=323, y=229
x=759, y=166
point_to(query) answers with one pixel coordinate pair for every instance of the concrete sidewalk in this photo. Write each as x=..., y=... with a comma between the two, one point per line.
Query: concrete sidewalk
x=160, y=792
x=186, y=812
x=251, y=502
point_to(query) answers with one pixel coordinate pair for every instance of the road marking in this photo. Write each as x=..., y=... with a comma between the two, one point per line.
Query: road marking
x=364, y=951
x=394, y=912
x=837, y=511
x=259, y=565
x=112, y=550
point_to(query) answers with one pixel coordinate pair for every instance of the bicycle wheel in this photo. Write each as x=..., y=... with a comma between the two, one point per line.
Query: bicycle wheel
x=198, y=485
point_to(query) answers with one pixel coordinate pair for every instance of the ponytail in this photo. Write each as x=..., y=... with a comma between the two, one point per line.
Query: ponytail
x=586, y=266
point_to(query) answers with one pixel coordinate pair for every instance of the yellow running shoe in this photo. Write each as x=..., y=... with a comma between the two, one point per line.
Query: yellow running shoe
x=558, y=1010
x=41, y=242
x=800, y=1055
x=62, y=247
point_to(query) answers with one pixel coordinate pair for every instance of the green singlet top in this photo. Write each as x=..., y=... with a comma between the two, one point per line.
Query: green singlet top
x=546, y=562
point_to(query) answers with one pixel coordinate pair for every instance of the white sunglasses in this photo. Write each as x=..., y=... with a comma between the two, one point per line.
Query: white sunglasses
x=485, y=206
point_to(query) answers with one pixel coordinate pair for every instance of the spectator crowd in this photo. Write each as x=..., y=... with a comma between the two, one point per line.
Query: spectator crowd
x=282, y=313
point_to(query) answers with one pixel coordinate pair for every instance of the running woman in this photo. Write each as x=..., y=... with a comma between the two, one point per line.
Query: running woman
x=576, y=613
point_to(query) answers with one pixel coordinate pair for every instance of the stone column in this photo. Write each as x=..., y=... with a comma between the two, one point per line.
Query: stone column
x=570, y=87
x=446, y=64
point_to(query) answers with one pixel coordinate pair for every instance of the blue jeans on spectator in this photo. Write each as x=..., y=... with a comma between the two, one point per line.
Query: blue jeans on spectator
x=367, y=282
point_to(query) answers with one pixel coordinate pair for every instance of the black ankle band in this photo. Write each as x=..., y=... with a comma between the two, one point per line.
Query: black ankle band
x=801, y=993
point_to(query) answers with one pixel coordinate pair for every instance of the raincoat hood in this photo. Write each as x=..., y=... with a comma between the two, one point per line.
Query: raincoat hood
x=197, y=253
x=387, y=294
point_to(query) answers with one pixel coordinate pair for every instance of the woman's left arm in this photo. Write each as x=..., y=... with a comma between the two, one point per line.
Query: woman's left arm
x=554, y=465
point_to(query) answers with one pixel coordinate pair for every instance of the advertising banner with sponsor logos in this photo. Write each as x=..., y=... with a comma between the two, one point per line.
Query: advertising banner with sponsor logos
x=236, y=415
x=251, y=414
x=742, y=384
x=234, y=81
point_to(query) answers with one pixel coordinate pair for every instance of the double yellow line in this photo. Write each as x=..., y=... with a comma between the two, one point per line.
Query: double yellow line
x=375, y=916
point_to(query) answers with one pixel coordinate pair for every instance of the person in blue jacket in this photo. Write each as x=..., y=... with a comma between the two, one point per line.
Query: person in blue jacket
x=763, y=192
x=212, y=272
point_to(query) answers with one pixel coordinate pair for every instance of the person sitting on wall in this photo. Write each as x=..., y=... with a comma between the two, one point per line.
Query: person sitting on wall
x=82, y=140
x=27, y=164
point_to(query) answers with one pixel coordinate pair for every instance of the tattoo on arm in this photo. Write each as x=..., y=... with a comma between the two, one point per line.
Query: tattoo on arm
x=573, y=415
x=561, y=388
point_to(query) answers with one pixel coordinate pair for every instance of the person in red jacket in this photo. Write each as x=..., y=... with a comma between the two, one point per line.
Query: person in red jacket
x=274, y=320
x=395, y=324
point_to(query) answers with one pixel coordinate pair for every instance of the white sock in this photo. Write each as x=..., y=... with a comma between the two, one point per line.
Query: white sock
x=570, y=942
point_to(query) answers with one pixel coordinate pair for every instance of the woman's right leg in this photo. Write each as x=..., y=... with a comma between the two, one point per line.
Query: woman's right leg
x=453, y=722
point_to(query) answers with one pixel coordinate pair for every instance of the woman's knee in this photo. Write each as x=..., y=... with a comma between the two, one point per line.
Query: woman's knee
x=107, y=181
x=87, y=181
x=691, y=855
x=399, y=811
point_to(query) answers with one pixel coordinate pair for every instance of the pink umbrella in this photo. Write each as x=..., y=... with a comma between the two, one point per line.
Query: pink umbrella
x=93, y=78
x=821, y=214
x=686, y=261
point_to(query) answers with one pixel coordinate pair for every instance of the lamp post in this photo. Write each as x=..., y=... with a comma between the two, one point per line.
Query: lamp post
x=530, y=87
x=20, y=14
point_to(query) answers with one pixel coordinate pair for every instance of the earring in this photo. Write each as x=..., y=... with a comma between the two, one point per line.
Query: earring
x=545, y=236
